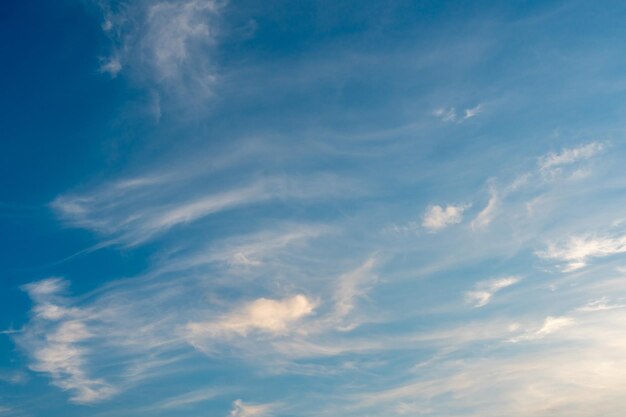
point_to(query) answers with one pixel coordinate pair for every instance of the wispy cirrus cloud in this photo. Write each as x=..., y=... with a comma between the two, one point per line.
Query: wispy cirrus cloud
x=483, y=291
x=350, y=287
x=450, y=115
x=257, y=265
x=130, y=212
x=111, y=66
x=575, y=251
x=550, y=325
x=167, y=43
x=297, y=320
x=549, y=378
x=188, y=399
x=65, y=335
x=487, y=214
x=56, y=341
x=553, y=163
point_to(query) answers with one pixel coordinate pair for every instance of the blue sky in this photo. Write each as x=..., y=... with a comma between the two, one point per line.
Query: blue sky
x=213, y=208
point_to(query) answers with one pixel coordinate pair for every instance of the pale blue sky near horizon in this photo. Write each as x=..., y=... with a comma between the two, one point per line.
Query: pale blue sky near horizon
x=213, y=208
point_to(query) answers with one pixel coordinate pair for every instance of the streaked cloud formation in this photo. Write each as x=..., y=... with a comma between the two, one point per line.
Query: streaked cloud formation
x=489, y=212
x=575, y=251
x=552, y=163
x=55, y=340
x=484, y=290
x=315, y=209
x=449, y=115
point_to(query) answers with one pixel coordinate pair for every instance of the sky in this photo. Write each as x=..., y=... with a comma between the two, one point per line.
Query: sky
x=320, y=208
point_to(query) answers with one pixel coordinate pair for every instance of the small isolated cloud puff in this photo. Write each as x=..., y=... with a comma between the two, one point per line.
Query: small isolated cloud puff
x=241, y=409
x=483, y=291
x=271, y=316
x=111, y=66
x=473, y=112
x=550, y=164
x=437, y=218
x=577, y=249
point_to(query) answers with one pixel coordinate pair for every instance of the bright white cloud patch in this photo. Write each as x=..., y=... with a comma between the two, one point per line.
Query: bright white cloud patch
x=483, y=291
x=271, y=316
x=577, y=250
x=437, y=217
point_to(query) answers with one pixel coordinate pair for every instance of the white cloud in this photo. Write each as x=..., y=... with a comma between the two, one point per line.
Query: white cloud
x=551, y=163
x=436, y=217
x=56, y=343
x=13, y=377
x=172, y=30
x=187, y=399
x=62, y=357
x=490, y=211
x=449, y=115
x=195, y=209
x=252, y=253
x=111, y=66
x=445, y=115
x=168, y=43
x=550, y=325
x=554, y=324
x=278, y=329
x=473, y=112
x=133, y=211
x=577, y=372
x=42, y=290
x=265, y=315
x=241, y=409
x=483, y=291
x=602, y=304
x=350, y=287
x=577, y=250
